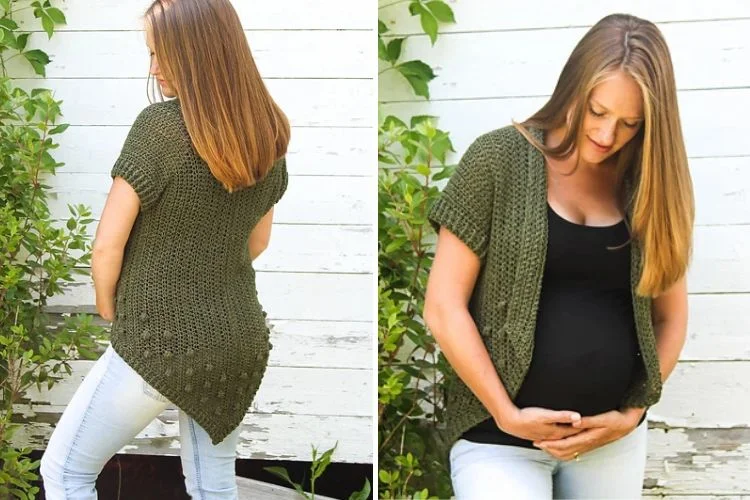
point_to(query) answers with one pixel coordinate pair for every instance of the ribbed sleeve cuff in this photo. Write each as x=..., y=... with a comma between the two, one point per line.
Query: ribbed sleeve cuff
x=138, y=178
x=444, y=213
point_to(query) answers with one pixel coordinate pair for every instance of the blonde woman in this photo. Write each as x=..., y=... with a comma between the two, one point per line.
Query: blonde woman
x=558, y=289
x=189, y=210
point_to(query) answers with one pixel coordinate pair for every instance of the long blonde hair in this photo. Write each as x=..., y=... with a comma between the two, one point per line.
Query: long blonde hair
x=654, y=162
x=233, y=122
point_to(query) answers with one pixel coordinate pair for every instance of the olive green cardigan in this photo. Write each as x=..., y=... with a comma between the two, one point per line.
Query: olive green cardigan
x=187, y=314
x=496, y=203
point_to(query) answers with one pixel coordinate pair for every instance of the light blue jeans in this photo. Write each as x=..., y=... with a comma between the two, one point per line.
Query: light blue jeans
x=491, y=471
x=111, y=406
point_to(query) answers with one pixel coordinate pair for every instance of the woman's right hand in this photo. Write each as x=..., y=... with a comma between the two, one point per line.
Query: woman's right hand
x=536, y=424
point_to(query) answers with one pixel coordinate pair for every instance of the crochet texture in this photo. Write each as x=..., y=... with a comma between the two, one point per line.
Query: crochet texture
x=187, y=316
x=496, y=203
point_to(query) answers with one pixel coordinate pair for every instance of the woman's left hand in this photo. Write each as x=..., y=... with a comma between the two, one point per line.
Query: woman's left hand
x=599, y=430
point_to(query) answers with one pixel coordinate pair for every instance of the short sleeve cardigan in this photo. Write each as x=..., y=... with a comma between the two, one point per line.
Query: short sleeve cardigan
x=187, y=315
x=496, y=203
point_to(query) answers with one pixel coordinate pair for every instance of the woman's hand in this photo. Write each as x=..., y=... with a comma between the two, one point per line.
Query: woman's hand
x=594, y=432
x=536, y=424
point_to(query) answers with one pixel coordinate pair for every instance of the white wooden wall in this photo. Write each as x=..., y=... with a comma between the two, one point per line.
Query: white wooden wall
x=316, y=279
x=502, y=60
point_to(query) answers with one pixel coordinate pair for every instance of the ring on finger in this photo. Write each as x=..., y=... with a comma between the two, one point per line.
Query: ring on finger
x=576, y=457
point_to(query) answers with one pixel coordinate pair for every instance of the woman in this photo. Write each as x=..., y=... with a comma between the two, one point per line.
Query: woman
x=558, y=291
x=189, y=209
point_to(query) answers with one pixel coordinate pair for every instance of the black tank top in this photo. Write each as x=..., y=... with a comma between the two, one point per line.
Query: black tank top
x=585, y=343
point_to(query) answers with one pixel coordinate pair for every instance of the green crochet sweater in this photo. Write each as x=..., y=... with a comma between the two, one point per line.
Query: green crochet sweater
x=496, y=202
x=187, y=316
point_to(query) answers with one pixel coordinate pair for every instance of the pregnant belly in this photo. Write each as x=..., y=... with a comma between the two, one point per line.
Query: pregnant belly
x=585, y=351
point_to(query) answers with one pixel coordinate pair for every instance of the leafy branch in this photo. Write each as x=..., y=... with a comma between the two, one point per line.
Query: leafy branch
x=418, y=74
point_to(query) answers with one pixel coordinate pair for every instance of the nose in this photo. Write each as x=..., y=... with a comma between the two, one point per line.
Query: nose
x=606, y=136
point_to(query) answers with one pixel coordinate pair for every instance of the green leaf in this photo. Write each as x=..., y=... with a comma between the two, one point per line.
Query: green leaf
x=384, y=476
x=38, y=60
x=393, y=121
x=417, y=120
x=8, y=24
x=59, y=129
x=429, y=25
x=5, y=5
x=418, y=74
x=382, y=28
x=442, y=11
x=21, y=41
x=362, y=494
x=282, y=473
x=59, y=18
x=382, y=51
x=426, y=18
x=48, y=24
x=39, y=56
x=394, y=49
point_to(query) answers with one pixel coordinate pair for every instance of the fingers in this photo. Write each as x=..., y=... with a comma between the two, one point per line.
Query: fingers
x=563, y=417
x=561, y=432
x=582, y=440
x=601, y=420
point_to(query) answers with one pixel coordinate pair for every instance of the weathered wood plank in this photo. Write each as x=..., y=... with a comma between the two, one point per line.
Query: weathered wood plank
x=299, y=296
x=266, y=437
x=717, y=328
x=312, y=151
x=494, y=16
x=466, y=119
x=721, y=190
x=527, y=71
x=278, y=54
x=308, y=199
x=279, y=15
x=705, y=395
x=720, y=256
x=252, y=488
x=698, y=461
x=326, y=103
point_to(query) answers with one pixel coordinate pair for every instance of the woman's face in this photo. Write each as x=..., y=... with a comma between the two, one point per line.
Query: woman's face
x=613, y=116
x=154, y=69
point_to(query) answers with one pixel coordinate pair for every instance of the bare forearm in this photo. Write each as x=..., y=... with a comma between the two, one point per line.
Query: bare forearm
x=106, y=266
x=670, y=338
x=459, y=340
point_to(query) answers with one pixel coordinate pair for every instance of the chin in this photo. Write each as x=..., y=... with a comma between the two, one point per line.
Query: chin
x=590, y=155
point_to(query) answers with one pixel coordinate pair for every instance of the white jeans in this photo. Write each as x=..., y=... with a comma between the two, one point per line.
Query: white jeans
x=111, y=406
x=491, y=471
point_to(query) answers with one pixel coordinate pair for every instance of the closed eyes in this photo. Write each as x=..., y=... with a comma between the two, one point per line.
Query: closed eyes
x=599, y=115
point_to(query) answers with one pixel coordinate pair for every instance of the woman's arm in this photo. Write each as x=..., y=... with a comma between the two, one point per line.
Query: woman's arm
x=260, y=235
x=669, y=313
x=115, y=224
x=451, y=281
x=452, y=278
